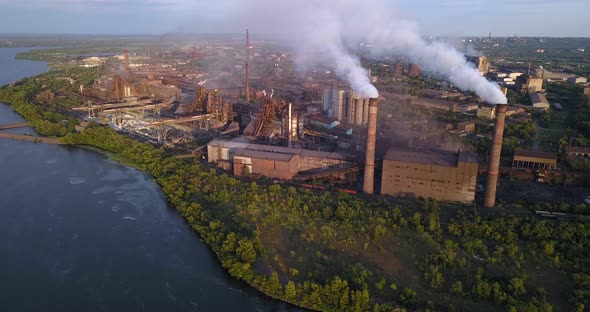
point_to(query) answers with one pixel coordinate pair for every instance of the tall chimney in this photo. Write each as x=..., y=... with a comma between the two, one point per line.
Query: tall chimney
x=494, y=167
x=369, y=180
x=247, y=66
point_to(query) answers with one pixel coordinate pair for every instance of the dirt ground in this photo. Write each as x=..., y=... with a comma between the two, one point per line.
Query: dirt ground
x=541, y=192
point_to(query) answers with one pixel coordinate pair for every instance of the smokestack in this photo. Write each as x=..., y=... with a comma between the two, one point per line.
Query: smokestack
x=126, y=64
x=247, y=66
x=494, y=167
x=369, y=180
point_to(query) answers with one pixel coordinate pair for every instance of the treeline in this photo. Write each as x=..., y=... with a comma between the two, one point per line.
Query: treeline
x=339, y=252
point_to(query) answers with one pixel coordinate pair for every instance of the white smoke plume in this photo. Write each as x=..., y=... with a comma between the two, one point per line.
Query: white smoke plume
x=330, y=32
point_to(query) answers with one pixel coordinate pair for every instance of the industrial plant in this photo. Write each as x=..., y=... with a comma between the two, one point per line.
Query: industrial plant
x=244, y=109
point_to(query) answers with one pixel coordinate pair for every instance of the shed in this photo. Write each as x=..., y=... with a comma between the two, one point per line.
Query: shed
x=534, y=159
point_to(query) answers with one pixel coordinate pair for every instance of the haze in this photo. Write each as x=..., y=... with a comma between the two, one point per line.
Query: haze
x=445, y=17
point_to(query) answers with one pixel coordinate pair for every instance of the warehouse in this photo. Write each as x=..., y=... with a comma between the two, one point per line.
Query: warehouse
x=534, y=160
x=272, y=165
x=441, y=175
x=272, y=161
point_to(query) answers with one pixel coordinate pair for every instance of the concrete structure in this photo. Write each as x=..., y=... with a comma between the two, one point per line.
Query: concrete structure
x=466, y=126
x=531, y=84
x=223, y=151
x=323, y=122
x=486, y=111
x=369, y=178
x=539, y=100
x=534, y=160
x=442, y=175
x=495, y=154
x=481, y=63
x=335, y=102
x=546, y=74
x=268, y=164
x=577, y=80
x=435, y=105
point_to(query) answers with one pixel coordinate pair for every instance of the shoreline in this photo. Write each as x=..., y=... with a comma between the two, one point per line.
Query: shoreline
x=122, y=160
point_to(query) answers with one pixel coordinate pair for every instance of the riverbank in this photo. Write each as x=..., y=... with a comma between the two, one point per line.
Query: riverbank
x=338, y=252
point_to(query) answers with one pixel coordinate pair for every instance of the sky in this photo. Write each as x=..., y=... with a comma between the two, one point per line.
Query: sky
x=556, y=18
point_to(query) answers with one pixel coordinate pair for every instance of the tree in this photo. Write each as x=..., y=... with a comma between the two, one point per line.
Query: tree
x=246, y=251
x=516, y=285
x=290, y=291
x=457, y=288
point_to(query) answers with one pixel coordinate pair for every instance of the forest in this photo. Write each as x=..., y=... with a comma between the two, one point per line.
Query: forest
x=333, y=251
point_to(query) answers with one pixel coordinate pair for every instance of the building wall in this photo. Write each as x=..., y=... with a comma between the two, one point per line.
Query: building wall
x=486, y=111
x=272, y=168
x=430, y=181
x=435, y=105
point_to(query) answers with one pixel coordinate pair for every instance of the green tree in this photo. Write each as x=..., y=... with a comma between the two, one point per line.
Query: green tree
x=290, y=291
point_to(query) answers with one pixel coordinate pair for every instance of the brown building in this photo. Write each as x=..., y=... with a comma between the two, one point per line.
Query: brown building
x=268, y=164
x=534, y=160
x=530, y=84
x=481, y=63
x=577, y=152
x=272, y=161
x=442, y=175
x=466, y=126
x=587, y=91
x=435, y=104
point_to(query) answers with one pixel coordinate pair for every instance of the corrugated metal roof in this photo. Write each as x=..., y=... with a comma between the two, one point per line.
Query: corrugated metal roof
x=438, y=157
x=277, y=149
x=577, y=149
x=264, y=155
x=536, y=154
x=538, y=98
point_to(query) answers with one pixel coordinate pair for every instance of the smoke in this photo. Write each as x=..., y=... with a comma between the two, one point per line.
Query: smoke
x=333, y=32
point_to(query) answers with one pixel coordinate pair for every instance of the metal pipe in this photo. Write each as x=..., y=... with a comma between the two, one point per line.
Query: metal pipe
x=495, y=154
x=369, y=180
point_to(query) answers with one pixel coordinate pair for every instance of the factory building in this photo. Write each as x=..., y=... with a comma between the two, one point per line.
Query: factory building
x=435, y=105
x=573, y=152
x=272, y=161
x=534, y=160
x=481, y=63
x=486, y=111
x=441, y=175
x=577, y=80
x=268, y=164
x=539, y=100
x=335, y=102
x=530, y=84
x=345, y=106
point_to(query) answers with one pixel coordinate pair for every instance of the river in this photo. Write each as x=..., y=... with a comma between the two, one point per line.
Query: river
x=79, y=232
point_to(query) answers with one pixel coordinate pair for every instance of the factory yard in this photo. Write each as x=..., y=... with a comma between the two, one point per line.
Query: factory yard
x=331, y=199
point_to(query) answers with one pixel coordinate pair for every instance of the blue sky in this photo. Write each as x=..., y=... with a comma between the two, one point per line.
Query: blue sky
x=438, y=17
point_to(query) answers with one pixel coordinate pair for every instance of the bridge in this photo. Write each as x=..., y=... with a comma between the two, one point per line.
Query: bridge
x=28, y=138
x=14, y=125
